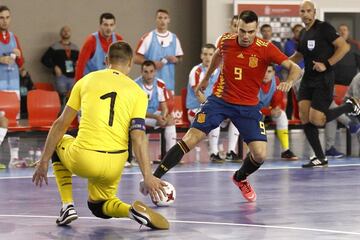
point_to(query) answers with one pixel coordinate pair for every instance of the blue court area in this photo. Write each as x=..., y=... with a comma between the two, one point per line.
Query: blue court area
x=292, y=203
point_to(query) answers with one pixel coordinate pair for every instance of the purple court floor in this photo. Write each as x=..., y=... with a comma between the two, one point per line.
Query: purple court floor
x=293, y=203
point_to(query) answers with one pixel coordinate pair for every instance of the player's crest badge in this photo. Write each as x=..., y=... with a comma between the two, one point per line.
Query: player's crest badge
x=311, y=44
x=253, y=61
x=201, y=117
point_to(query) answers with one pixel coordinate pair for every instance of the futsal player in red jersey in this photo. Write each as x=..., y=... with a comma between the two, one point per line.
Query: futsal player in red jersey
x=245, y=58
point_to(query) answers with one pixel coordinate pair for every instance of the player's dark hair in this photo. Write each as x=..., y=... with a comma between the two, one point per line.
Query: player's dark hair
x=120, y=52
x=272, y=65
x=4, y=8
x=265, y=26
x=209, y=45
x=147, y=63
x=162, y=11
x=107, y=16
x=248, y=16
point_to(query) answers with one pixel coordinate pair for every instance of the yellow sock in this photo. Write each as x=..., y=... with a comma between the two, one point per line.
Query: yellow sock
x=283, y=135
x=116, y=208
x=64, y=182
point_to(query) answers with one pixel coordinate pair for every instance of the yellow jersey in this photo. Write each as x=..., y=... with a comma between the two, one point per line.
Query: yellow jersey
x=108, y=100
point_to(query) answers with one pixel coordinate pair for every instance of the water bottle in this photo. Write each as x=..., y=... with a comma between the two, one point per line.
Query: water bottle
x=11, y=66
x=222, y=152
x=31, y=157
x=197, y=154
x=37, y=155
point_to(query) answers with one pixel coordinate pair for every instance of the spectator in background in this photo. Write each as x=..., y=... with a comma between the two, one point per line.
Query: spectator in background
x=267, y=34
x=163, y=48
x=193, y=101
x=155, y=89
x=345, y=70
x=289, y=49
x=61, y=57
x=349, y=65
x=92, y=53
x=271, y=101
x=233, y=24
x=345, y=33
x=292, y=43
x=26, y=84
x=11, y=60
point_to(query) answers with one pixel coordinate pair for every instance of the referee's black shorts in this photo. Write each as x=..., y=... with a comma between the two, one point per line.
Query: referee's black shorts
x=318, y=91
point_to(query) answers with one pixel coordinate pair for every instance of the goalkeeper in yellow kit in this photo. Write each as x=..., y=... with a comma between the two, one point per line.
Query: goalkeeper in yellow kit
x=111, y=105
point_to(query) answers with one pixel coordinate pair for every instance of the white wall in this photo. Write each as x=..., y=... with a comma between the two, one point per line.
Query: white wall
x=218, y=13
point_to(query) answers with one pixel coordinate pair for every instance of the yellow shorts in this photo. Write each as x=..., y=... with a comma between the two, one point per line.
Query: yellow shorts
x=103, y=170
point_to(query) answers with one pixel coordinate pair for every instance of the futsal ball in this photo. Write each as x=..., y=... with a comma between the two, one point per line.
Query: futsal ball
x=169, y=198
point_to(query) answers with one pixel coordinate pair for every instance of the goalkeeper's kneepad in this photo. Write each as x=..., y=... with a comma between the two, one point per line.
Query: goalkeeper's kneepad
x=96, y=209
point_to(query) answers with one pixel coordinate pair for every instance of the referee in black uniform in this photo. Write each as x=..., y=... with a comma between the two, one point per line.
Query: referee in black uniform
x=320, y=47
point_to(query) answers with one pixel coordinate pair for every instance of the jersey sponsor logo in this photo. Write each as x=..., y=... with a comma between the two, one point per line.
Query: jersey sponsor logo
x=253, y=61
x=240, y=56
x=311, y=44
x=201, y=117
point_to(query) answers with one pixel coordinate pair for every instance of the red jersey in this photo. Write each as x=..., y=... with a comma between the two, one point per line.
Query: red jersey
x=244, y=68
x=277, y=99
x=88, y=50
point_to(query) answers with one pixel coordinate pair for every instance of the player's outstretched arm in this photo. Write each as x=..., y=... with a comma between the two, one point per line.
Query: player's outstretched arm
x=56, y=132
x=153, y=185
x=294, y=74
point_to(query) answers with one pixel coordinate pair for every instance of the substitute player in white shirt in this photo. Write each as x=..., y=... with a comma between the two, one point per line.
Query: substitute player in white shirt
x=155, y=89
x=193, y=102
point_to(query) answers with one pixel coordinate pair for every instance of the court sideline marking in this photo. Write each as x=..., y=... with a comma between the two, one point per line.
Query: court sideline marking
x=203, y=223
x=205, y=170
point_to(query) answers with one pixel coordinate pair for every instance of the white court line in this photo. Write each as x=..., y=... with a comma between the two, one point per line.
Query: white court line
x=203, y=223
x=207, y=170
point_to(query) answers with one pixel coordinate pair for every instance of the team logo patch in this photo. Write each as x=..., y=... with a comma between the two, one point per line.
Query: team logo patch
x=253, y=61
x=311, y=44
x=201, y=117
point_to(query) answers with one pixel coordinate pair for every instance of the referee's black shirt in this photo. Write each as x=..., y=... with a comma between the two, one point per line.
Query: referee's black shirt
x=316, y=45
